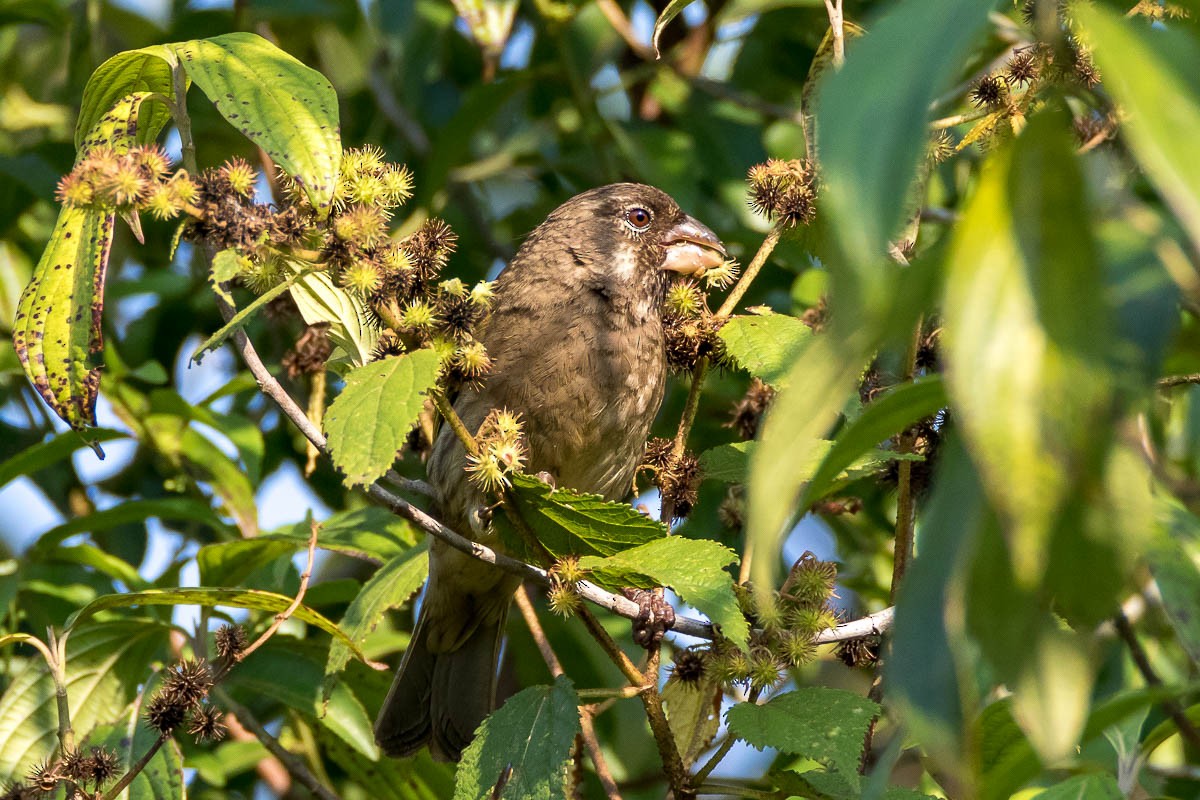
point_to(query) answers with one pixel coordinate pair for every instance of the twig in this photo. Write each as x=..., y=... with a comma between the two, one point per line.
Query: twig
x=585, y=715
x=905, y=501
x=134, y=770
x=452, y=419
x=1175, y=711
x=837, y=28
x=56, y=658
x=739, y=791
x=1171, y=381
x=294, y=765
x=183, y=123
x=751, y=271
x=291, y=609
x=958, y=119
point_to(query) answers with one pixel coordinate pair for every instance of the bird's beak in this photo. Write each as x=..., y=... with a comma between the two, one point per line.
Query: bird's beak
x=690, y=248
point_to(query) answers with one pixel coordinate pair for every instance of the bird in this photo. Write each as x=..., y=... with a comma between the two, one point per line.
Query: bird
x=576, y=339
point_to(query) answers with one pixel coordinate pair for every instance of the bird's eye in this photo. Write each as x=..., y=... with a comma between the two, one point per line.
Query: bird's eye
x=638, y=219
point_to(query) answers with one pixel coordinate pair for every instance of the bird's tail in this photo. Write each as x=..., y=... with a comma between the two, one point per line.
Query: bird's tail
x=440, y=698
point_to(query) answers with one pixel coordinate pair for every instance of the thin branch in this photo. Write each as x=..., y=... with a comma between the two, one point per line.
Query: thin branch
x=282, y=617
x=1175, y=711
x=134, y=770
x=751, y=271
x=1172, y=381
x=958, y=119
x=737, y=791
x=183, y=123
x=293, y=763
x=585, y=716
x=905, y=501
x=56, y=655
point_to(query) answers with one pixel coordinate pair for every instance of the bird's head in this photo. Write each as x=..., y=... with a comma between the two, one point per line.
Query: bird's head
x=628, y=237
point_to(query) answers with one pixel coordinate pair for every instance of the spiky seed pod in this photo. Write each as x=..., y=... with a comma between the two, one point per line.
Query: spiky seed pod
x=364, y=278
x=989, y=92
x=153, y=160
x=510, y=455
x=16, y=791
x=124, y=186
x=70, y=764
x=75, y=190
x=941, y=148
x=365, y=226
x=784, y=191
x=162, y=204
x=165, y=713
x=861, y=652
x=815, y=316
x=44, y=776
x=748, y=412
x=563, y=599
x=799, y=650
x=240, y=176
x=207, y=724
x=769, y=614
x=567, y=570
x=306, y=357
x=471, y=361
x=732, y=511
x=722, y=276
x=744, y=593
x=429, y=247
x=1022, y=68
x=183, y=189
x=482, y=294
x=397, y=185
x=684, y=299
x=261, y=275
x=189, y=681
x=419, y=315
x=677, y=477
x=486, y=471
x=231, y=639
x=506, y=424
x=810, y=581
x=453, y=288
x=808, y=621
x=365, y=189
x=689, y=665
x=458, y=315
x=765, y=670
x=1083, y=68
x=389, y=344
x=105, y=764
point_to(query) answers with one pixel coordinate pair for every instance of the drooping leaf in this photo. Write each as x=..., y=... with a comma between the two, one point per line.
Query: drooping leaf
x=243, y=315
x=826, y=725
x=694, y=713
x=210, y=597
x=1153, y=72
x=669, y=13
x=884, y=417
x=529, y=740
x=566, y=522
x=872, y=130
x=693, y=568
x=1027, y=335
x=371, y=533
x=228, y=563
x=321, y=300
x=390, y=587
x=369, y=421
x=765, y=345
x=182, y=509
x=286, y=108
x=105, y=664
x=56, y=332
x=145, y=70
x=129, y=738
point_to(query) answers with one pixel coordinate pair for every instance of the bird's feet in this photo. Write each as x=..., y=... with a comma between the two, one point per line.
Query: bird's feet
x=655, y=616
x=548, y=479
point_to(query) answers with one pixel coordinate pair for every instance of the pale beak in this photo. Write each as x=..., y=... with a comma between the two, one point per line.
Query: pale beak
x=690, y=248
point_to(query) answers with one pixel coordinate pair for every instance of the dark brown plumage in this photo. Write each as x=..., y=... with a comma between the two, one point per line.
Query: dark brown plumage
x=576, y=341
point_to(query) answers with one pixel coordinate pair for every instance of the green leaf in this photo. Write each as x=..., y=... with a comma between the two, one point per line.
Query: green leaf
x=1027, y=335
x=129, y=738
x=390, y=587
x=529, y=739
x=229, y=563
x=886, y=416
x=291, y=674
x=105, y=664
x=369, y=421
x=568, y=523
x=694, y=713
x=145, y=70
x=791, y=437
x=1154, y=74
x=105, y=563
x=284, y=107
x=826, y=725
x=321, y=300
x=693, y=568
x=731, y=463
x=56, y=332
x=872, y=132
x=48, y=453
x=211, y=598
x=669, y=13
x=1084, y=787
x=765, y=345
